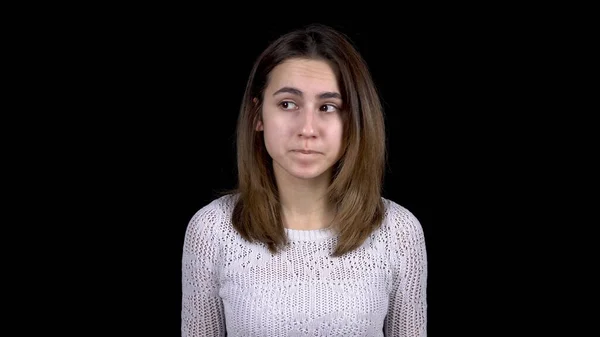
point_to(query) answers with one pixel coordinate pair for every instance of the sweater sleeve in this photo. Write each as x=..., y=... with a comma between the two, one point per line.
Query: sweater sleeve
x=407, y=313
x=202, y=308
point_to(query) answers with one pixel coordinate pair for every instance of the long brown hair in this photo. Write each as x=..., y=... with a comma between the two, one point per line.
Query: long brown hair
x=357, y=179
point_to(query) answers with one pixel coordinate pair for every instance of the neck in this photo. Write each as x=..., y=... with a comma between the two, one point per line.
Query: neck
x=304, y=203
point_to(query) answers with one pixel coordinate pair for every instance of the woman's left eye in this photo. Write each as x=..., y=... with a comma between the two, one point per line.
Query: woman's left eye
x=328, y=108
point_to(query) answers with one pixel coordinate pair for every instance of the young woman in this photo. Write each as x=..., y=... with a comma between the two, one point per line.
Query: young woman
x=306, y=245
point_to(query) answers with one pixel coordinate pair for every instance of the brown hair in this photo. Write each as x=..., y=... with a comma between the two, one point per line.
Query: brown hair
x=358, y=176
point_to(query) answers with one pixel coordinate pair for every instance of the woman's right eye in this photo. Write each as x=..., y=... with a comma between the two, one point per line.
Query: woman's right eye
x=287, y=105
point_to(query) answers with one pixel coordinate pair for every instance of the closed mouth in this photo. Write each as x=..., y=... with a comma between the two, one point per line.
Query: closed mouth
x=306, y=151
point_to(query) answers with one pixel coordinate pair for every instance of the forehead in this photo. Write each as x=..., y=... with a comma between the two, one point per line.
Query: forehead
x=306, y=74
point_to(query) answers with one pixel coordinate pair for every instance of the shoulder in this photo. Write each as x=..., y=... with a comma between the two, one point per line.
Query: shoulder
x=212, y=218
x=400, y=221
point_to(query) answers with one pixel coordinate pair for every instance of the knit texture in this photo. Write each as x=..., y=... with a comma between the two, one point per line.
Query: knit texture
x=234, y=288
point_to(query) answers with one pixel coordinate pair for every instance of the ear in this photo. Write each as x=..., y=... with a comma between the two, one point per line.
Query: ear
x=259, y=124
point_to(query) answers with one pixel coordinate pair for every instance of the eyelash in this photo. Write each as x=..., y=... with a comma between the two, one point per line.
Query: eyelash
x=288, y=102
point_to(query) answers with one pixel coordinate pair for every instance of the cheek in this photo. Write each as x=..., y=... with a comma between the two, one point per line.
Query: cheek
x=274, y=136
x=338, y=144
x=337, y=133
x=276, y=128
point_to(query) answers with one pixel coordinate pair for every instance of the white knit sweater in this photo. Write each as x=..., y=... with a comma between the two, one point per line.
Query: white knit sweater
x=235, y=288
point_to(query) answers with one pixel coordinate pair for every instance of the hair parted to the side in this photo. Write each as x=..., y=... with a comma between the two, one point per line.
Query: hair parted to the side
x=358, y=176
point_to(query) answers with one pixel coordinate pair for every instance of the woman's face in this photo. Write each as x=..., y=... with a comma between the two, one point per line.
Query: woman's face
x=301, y=119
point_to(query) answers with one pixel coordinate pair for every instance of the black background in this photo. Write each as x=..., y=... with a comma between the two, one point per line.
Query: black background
x=155, y=95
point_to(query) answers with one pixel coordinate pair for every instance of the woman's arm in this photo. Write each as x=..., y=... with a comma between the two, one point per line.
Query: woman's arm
x=202, y=308
x=407, y=313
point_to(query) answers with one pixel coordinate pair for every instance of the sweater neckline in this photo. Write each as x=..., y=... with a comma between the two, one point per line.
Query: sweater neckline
x=309, y=234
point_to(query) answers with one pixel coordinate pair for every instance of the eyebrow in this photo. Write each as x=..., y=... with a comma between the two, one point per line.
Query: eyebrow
x=297, y=92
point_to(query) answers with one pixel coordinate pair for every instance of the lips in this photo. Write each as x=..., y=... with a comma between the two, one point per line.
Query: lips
x=306, y=151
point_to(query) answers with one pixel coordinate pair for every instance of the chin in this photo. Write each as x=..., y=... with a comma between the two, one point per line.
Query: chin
x=305, y=177
x=302, y=171
x=306, y=174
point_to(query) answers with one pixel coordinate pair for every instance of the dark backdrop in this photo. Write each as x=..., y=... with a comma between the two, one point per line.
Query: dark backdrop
x=159, y=131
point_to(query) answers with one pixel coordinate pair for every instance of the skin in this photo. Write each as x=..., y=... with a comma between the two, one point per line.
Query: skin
x=303, y=133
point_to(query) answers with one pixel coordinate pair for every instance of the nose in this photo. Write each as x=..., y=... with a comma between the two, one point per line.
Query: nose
x=308, y=127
